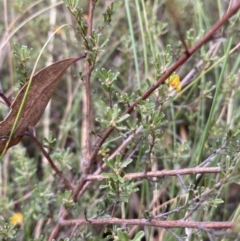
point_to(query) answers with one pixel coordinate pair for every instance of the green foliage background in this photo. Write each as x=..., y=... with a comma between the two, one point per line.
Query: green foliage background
x=197, y=123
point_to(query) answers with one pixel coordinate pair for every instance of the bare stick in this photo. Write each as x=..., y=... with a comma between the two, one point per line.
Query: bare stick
x=152, y=223
x=88, y=107
x=7, y=102
x=160, y=174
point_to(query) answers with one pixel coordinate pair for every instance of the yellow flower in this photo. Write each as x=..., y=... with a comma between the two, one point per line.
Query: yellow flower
x=16, y=219
x=58, y=30
x=174, y=82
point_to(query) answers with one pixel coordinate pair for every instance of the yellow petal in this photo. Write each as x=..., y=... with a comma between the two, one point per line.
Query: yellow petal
x=17, y=218
x=174, y=82
x=178, y=87
x=58, y=30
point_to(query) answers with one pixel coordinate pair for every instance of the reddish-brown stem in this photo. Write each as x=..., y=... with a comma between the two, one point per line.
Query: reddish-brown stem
x=9, y=50
x=51, y=163
x=62, y=214
x=86, y=165
x=7, y=102
x=152, y=223
x=160, y=174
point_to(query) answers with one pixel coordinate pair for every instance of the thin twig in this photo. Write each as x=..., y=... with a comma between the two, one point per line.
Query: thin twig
x=182, y=182
x=152, y=223
x=88, y=108
x=200, y=198
x=215, y=153
x=57, y=228
x=160, y=174
x=150, y=151
x=174, y=234
x=7, y=102
x=193, y=210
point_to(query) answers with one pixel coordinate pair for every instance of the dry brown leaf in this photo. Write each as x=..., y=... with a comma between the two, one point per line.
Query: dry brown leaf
x=14, y=141
x=42, y=87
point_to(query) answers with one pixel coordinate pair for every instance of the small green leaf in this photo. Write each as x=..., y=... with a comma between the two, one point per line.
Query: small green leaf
x=108, y=175
x=109, y=163
x=103, y=186
x=121, y=180
x=138, y=236
x=122, y=235
x=121, y=119
x=118, y=159
x=126, y=163
x=116, y=111
x=105, y=122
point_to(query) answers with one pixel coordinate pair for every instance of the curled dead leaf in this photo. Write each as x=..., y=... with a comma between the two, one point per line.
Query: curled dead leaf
x=42, y=87
x=4, y=141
